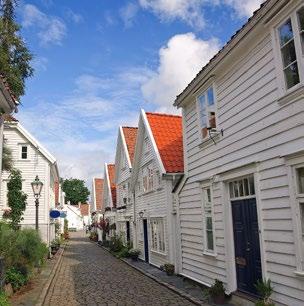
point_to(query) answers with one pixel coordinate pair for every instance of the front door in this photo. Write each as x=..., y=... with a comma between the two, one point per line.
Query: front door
x=246, y=244
x=146, y=242
x=128, y=230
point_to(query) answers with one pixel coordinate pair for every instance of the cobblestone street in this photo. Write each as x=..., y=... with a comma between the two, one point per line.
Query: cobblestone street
x=90, y=276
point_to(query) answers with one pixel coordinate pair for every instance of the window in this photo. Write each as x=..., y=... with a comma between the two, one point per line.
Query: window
x=148, y=179
x=291, y=41
x=158, y=178
x=158, y=235
x=300, y=180
x=24, y=152
x=207, y=114
x=242, y=188
x=208, y=220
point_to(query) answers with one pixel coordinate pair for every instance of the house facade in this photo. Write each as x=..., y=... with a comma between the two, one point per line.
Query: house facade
x=124, y=197
x=157, y=169
x=109, y=196
x=241, y=204
x=31, y=159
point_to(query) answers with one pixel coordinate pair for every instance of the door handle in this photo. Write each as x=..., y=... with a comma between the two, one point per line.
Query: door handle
x=248, y=246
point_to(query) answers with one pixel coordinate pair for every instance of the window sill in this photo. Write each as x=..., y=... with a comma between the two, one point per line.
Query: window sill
x=158, y=253
x=299, y=273
x=210, y=254
x=294, y=95
x=208, y=141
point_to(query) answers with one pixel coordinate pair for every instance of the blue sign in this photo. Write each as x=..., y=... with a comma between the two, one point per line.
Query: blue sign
x=54, y=214
x=63, y=214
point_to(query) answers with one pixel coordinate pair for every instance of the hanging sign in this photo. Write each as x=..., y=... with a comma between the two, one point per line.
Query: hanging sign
x=54, y=214
x=63, y=214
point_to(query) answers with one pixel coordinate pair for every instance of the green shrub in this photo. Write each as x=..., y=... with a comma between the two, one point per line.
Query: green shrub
x=16, y=278
x=265, y=290
x=4, y=300
x=124, y=253
x=116, y=244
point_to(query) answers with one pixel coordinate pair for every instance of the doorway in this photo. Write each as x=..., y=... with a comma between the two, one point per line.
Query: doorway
x=146, y=240
x=128, y=230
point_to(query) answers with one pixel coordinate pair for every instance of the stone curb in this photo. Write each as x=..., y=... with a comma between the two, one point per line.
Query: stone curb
x=46, y=287
x=163, y=283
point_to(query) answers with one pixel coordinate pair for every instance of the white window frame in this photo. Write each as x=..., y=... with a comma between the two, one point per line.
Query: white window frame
x=208, y=205
x=157, y=228
x=148, y=178
x=23, y=145
x=298, y=48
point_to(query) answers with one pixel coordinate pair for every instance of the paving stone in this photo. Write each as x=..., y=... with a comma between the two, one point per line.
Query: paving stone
x=90, y=276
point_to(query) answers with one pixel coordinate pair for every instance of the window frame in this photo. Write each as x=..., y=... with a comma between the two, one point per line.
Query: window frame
x=157, y=230
x=148, y=178
x=206, y=250
x=213, y=108
x=293, y=16
x=23, y=145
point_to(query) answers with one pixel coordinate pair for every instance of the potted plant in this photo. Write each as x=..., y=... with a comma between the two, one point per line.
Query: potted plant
x=265, y=290
x=134, y=253
x=169, y=268
x=217, y=292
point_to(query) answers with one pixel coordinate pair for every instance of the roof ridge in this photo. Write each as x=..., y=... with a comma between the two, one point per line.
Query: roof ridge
x=163, y=114
x=130, y=127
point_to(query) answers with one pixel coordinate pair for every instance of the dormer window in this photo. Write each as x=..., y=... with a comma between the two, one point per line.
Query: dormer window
x=24, y=152
x=207, y=111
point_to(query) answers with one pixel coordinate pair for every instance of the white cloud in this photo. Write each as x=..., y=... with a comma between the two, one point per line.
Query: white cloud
x=192, y=11
x=244, y=8
x=189, y=11
x=179, y=61
x=40, y=63
x=81, y=128
x=74, y=17
x=127, y=13
x=51, y=30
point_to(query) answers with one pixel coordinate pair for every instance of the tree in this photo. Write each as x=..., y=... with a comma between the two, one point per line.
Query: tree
x=7, y=159
x=16, y=198
x=15, y=58
x=75, y=191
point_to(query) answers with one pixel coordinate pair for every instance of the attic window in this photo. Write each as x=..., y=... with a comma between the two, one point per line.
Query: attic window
x=207, y=112
x=24, y=152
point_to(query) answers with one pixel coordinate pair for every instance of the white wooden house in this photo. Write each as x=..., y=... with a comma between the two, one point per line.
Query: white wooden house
x=157, y=169
x=124, y=197
x=241, y=205
x=31, y=159
x=8, y=104
x=109, y=195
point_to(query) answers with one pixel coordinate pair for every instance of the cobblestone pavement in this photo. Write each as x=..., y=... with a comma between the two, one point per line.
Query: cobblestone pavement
x=90, y=276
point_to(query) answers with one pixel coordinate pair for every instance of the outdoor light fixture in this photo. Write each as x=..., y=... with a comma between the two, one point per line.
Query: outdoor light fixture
x=37, y=187
x=141, y=214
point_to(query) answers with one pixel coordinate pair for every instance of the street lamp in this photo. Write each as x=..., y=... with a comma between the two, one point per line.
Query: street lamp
x=37, y=187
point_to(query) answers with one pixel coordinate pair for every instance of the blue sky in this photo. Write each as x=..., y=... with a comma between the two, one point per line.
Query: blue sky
x=98, y=62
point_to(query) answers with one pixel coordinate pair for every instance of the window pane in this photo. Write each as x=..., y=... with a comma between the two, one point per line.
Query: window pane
x=231, y=190
x=300, y=174
x=202, y=102
x=236, y=190
x=208, y=195
x=246, y=187
x=289, y=54
x=210, y=245
x=210, y=96
x=251, y=185
x=241, y=188
x=301, y=18
x=209, y=223
x=285, y=32
x=292, y=75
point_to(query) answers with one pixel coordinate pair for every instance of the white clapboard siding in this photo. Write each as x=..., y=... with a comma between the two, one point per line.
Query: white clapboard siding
x=256, y=130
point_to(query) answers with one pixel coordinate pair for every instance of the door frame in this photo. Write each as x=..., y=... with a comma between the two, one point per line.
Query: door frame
x=224, y=179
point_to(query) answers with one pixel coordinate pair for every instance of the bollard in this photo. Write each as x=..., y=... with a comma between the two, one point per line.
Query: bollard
x=2, y=273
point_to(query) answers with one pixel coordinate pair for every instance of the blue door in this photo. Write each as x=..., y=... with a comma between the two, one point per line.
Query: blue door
x=246, y=244
x=128, y=230
x=146, y=241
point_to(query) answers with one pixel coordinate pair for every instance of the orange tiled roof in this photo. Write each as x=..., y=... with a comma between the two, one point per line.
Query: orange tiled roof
x=168, y=134
x=111, y=171
x=98, y=184
x=130, y=134
x=84, y=209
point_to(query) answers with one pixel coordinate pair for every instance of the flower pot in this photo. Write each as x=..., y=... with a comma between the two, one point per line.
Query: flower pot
x=219, y=299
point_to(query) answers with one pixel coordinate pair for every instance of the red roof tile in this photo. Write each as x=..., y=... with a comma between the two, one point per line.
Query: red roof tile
x=168, y=134
x=111, y=171
x=130, y=134
x=98, y=185
x=84, y=209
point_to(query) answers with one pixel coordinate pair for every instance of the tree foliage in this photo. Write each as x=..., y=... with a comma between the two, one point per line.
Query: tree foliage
x=16, y=198
x=7, y=159
x=15, y=58
x=75, y=191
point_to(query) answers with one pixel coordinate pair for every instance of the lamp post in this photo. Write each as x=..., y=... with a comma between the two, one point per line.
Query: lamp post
x=37, y=187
